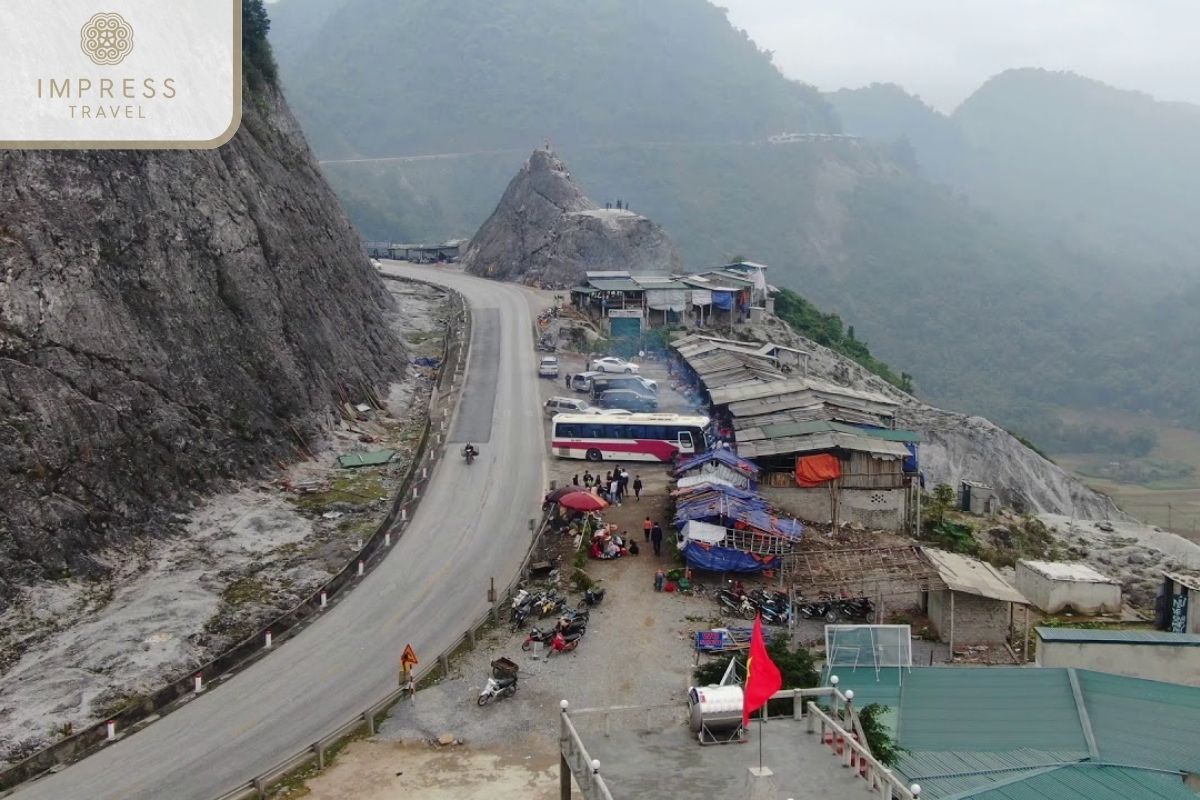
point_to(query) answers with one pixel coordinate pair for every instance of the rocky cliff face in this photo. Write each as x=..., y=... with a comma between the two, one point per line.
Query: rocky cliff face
x=546, y=231
x=958, y=447
x=168, y=320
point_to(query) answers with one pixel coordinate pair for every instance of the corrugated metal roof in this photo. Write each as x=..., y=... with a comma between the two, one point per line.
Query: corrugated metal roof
x=957, y=773
x=1074, y=571
x=371, y=459
x=1085, y=782
x=995, y=709
x=1147, y=723
x=614, y=285
x=1190, y=581
x=1118, y=636
x=820, y=442
x=780, y=430
x=659, y=283
x=783, y=387
x=970, y=575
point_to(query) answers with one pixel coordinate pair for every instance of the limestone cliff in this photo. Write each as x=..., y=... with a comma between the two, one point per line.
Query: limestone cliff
x=546, y=231
x=956, y=446
x=168, y=321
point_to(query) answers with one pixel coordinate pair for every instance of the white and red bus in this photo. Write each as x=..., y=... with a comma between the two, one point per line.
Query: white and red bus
x=628, y=437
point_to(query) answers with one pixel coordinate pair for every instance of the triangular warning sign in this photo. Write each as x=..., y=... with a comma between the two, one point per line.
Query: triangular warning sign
x=409, y=659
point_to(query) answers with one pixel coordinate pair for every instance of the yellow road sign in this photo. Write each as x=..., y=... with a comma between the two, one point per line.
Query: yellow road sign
x=409, y=659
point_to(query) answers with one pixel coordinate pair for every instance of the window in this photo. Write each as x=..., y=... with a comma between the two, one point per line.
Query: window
x=567, y=431
x=593, y=431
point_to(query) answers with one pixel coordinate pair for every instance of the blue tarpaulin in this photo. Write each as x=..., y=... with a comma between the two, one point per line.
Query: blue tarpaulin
x=723, y=559
x=725, y=505
x=693, y=492
x=726, y=457
x=723, y=300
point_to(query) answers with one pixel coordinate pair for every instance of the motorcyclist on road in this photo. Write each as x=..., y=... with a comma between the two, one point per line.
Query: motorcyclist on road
x=469, y=450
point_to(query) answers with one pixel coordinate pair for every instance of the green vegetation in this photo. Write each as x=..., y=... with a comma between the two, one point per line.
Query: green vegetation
x=795, y=666
x=257, y=59
x=1150, y=472
x=879, y=737
x=826, y=329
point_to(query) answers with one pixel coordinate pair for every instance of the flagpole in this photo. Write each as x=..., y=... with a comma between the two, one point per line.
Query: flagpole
x=762, y=715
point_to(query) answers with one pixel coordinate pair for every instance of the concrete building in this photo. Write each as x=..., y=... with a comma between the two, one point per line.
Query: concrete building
x=1056, y=586
x=978, y=498
x=1154, y=655
x=978, y=604
x=1178, y=608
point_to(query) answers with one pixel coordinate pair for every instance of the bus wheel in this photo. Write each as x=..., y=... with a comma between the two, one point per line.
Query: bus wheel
x=594, y=455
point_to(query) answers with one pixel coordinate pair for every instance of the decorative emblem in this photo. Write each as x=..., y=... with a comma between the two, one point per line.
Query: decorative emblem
x=106, y=39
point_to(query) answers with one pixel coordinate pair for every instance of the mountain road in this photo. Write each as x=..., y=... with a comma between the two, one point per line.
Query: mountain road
x=471, y=526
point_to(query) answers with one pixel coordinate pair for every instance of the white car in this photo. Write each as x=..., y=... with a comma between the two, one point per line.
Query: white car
x=614, y=364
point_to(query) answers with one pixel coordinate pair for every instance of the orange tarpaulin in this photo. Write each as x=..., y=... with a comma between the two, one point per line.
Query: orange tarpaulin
x=815, y=470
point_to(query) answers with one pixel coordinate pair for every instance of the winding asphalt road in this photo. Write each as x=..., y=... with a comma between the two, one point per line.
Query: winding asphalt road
x=473, y=524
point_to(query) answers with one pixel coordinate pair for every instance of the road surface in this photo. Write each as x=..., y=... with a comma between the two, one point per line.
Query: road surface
x=473, y=524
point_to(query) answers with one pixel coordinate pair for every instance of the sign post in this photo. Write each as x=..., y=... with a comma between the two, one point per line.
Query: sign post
x=408, y=660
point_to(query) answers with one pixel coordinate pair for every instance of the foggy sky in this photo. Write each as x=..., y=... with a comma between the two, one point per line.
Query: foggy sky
x=943, y=50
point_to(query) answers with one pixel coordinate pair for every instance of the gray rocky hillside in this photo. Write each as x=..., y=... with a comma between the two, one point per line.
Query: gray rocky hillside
x=545, y=231
x=168, y=321
x=956, y=446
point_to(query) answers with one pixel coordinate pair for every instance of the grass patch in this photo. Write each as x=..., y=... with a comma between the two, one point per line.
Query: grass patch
x=360, y=487
x=247, y=589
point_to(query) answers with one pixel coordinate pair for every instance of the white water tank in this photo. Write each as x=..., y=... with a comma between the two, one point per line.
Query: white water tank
x=715, y=707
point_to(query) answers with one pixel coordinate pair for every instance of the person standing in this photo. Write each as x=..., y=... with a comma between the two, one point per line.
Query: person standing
x=637, y=487
x=614, y=491
x=656, y=536
x=575, y=480
x=587, y=479
x=646, y=526
x=568, y=380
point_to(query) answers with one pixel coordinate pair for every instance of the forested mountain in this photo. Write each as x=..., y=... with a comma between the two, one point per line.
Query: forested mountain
x=667, y=107
x=377, y=77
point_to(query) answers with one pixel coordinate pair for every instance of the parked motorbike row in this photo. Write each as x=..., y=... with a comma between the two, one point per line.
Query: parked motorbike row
x=772, y=605
x=775, y=608
x=833, y=609
x=571, y=623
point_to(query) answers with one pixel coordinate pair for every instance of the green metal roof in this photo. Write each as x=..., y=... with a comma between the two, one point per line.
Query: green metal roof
x=372, y=459
x=989, y=710
x=1086, y=782
x=959, y=774
x=1141, y=722
x=786, y=429
x=1118, y=636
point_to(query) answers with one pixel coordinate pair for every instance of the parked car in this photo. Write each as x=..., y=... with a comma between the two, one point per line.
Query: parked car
x=602, y=383
x=628, y=400
x=582, y=381
x=614, y=364
x=568, y=405
x=548, y=367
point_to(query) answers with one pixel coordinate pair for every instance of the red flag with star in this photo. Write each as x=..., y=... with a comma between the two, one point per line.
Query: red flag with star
x=762, y=676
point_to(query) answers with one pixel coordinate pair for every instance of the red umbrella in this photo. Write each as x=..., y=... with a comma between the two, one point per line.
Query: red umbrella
x=582, y=501
x=552, y=497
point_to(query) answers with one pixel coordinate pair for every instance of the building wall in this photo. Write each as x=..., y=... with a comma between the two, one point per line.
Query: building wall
x=977, y=620
x=1157, y=662
x=1053, y=596
x=878, y=509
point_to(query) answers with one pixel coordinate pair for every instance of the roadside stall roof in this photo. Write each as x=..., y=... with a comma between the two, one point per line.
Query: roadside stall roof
x=787, y=429
x=820, y=442
x=972, y=576
x=726, y=457
x=614, y=285
x=756, y=514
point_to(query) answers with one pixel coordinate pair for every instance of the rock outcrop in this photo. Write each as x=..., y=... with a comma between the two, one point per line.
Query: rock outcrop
x=169, y=321
x=546, y=231
x=956, y=446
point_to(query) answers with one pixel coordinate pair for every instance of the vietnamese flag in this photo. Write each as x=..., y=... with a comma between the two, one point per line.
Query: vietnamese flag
x=762, y=676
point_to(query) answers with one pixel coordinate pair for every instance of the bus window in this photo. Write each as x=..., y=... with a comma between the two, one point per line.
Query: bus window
x=594, y=431
x=686, y=443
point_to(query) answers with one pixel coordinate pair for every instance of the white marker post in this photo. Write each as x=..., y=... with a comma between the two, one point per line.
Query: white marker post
x=267, y=641
x=324, y=599
x=111, y=730
x=361, y=567
x=199, y=682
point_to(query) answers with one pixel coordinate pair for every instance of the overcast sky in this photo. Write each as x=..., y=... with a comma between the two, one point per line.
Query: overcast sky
x=944, y=49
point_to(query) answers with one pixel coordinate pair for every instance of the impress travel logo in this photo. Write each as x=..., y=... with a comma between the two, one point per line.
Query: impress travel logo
x=129, y=74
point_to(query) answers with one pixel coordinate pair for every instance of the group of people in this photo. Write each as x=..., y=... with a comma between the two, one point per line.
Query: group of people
x=613, y=486
x=606, y=544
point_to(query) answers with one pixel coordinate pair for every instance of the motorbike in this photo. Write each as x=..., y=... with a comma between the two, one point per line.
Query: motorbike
x=736, y=604
x=565, y=643
x=550, y=604
x=593, y=597
x=502, y=683
x=469, y=454
x=825, y=607
x=856, y=608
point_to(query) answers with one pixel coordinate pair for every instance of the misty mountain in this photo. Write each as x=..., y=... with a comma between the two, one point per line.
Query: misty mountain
x=1103, y=175
x=376, y=77
x=668, y=108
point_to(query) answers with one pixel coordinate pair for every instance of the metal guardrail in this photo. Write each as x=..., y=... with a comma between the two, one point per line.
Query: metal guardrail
x=146, y=710
x=574, y=760
x=314, y=755
x=856, y=755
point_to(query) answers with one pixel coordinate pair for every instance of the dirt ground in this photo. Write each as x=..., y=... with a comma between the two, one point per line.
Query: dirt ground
x=72, y=651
